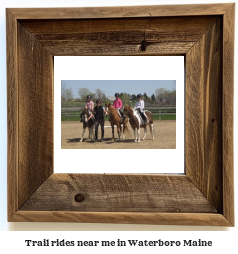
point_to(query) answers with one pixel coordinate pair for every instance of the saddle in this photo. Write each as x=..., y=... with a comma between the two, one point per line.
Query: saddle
x=119, y=113
x=123, y=117
x=142, y=115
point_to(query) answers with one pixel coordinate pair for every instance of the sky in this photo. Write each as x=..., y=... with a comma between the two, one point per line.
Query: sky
x=110, y=87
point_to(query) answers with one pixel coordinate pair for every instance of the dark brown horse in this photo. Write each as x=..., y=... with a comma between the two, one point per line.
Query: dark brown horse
x=116, y=119
x=137, y=122
x=87, y=124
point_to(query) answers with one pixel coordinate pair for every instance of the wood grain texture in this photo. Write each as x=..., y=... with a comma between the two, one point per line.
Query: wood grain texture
x=191, y=219
x=203, y=115
x=227, y=113
x=35, y=111
x=189, y=26
x=114, y=193
x=119, y=36
x=12, y=116
x=121, y=12
x=204, y=196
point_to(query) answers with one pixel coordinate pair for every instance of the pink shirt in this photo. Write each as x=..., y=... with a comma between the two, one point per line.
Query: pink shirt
x=117, y=103
x=90, y=105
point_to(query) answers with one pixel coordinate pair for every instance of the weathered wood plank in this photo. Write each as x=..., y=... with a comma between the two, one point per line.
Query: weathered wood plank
x=203, y=115
x=227, y=113
x=192, y=219
x=140, y=193
x=35, y=100
x=121, y=11
x=74, y=48
x=119, y=36
x=181, y=25
x=12, y=114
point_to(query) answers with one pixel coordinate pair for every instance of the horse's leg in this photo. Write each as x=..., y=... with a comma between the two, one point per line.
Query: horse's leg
x=82, y=134
x=113, y=139
x=119, y=130
x=138, y=131
x=145, y=131
x=152, y=130
x=135, y=133
x=123, y=131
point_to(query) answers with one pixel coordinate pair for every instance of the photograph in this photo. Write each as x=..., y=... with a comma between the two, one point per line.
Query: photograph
x=135, y=99
x=118, y=114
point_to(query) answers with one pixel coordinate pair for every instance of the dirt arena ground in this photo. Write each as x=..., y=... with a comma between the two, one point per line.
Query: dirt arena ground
x=165, y=137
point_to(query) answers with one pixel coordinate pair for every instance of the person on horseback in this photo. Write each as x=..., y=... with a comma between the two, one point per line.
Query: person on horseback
x=140, y=104
x=90, y=106
x=118, y=105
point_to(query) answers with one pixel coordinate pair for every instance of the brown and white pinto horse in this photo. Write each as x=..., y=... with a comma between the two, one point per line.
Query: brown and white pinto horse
x=137, y=122
x=116, y=119
x=87, y=123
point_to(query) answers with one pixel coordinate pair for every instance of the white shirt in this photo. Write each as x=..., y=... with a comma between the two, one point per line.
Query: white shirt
x=140, y=104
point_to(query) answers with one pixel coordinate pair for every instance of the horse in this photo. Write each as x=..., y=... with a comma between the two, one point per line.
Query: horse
x=137, y=122
x=87, y=123
x=116, y=119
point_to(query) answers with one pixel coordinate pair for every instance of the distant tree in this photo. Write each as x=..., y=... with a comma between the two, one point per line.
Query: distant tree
x=153, y=97
x=145, y=97
x=63, y=95
x=84, y=92
x=100, y=95
x=125, y=97
x=133, y=97
x=66, y=93
x=69, y=94
x=164, y=96
x=161, y=95
x=173, y=96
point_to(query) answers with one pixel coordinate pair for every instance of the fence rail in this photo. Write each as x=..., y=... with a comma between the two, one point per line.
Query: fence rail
x=158, y=111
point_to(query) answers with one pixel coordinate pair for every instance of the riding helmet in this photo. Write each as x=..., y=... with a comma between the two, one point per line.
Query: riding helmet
x=117, y=94
x=89, y=97
x=139, y=96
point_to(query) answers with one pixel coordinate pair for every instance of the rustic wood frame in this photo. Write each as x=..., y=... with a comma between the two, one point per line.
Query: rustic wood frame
x=204, y=34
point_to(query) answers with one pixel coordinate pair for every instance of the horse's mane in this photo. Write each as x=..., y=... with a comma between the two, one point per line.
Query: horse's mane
x=85, y=110
x=129, y=106
x=109, y=105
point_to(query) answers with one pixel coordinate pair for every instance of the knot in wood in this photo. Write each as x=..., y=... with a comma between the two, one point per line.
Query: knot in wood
x=143, y=45
x=79, y=198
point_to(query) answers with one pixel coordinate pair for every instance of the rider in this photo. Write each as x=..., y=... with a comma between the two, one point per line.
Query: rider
x=118, y=105
x=140, y=104
x=90, y=106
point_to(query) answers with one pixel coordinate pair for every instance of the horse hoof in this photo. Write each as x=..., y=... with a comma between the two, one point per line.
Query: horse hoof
x=80, y=140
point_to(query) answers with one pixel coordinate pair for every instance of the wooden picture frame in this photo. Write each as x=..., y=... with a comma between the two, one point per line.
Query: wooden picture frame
x=204, y=34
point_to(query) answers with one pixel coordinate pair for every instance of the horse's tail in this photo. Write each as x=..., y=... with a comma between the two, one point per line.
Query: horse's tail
x=125, y=125
x=150, y=122
x=149, y=116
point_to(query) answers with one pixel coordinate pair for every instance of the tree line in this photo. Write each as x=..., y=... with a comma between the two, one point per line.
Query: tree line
x=159, y=97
